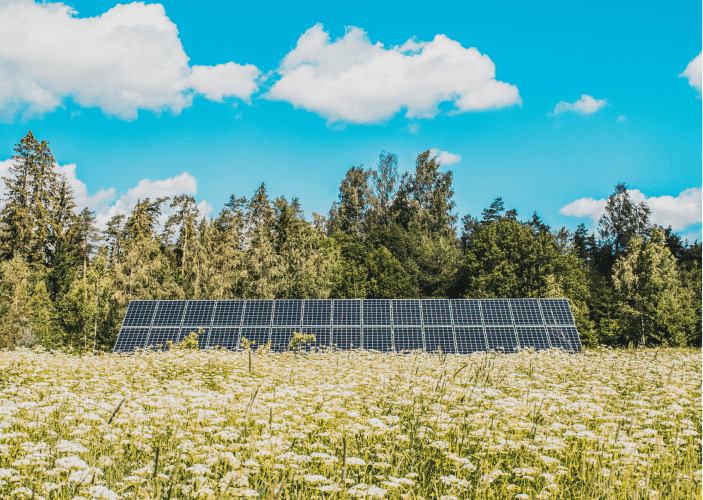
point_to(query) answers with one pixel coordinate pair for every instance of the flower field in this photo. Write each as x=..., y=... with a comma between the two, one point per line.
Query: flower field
x=608, y=424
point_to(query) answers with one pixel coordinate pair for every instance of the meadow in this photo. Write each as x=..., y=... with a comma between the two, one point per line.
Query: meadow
x=607, y=424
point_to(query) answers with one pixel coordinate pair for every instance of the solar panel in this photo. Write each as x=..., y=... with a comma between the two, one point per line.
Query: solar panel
x=501, y=338
x=322, y=335
x=257, y=336
x=258, y=313
x=458, y=325
x=466, y=312
x=406, y=312
x=346, y=313
x=565, y=337
x=346, y=337
x=496, y=312
x=227, y=338
x=378, y=338
x=159, y=337
x=556, y=312
x=377, y=312
x=317, y=312
x=526, y=311
x=439, y=338
x=532, y=336
x=228, y=313
x=140, y=313
x=407, y=338
x=281, y=337
x=202, y=336
x=287, y=312
x=169, y=313
x=436, y=312
x=130, y=339
x=469, y=339
x=199, y=313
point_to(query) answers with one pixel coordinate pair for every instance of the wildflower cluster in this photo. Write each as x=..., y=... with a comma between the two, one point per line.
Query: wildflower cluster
x=350, y=424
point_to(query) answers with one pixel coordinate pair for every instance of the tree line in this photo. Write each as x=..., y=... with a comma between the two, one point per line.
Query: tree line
x=64, y=283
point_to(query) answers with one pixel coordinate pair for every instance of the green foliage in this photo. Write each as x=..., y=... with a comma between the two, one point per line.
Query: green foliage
x=299, y=340
x=66, y=285
x=655, y=308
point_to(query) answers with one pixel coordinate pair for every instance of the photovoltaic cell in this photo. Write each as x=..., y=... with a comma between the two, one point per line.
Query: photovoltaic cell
x=199, y=313
x=377, y=312
x=346, y=313
x=159, y=337
x=501, y=338
x=258, y=335
x=281, y=336
x=139, y=313
x=258, y=313
x=130, y=339
x=169, y=313
x=436, y=312
x=556, y=312
x=407, y=338
x=466, y=312
x=317, y=312
x=565, y=337
x=526, y=312
x=346, y=337
x=228, y=313
x=406, y=312
x=378, y=338
x=532, y=336
x=322, y=336
x=287, y=312
x=469, y=339
x=496, y=312
x=439, y=338
x=226, y=338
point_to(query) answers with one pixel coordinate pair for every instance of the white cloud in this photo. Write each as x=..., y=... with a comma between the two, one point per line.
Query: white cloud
x=586, y=105
x=127, y=59
x=679, y=212
x=622, y=118
x=352, y=80
x=693, y=73
x=445, y=157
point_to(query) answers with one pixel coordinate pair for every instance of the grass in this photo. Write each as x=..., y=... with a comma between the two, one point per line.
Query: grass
x=605, y=424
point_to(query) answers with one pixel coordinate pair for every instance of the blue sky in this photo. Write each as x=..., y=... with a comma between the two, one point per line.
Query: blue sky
x=235, y=94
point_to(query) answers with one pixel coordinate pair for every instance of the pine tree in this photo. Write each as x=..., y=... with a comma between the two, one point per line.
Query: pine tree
x=29, y=202
x=184, y=220
x=229, y=247
x=652, y=302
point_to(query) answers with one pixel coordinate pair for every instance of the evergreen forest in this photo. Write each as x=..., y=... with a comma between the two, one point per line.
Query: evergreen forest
x=66, y=284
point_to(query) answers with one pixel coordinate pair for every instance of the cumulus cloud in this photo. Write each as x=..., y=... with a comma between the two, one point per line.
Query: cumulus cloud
x=678, y=212
x=445, y=157
x=353, y=80
x=585, y=106
x=693, y=73
x=128, y=59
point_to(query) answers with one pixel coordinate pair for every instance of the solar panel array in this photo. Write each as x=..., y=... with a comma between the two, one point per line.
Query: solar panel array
x=453, y=326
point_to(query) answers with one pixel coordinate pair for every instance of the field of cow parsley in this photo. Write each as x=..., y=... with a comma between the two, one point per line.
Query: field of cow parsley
x=608, y=424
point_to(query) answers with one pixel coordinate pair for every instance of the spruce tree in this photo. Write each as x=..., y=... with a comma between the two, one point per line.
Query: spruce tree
x=29, y=202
